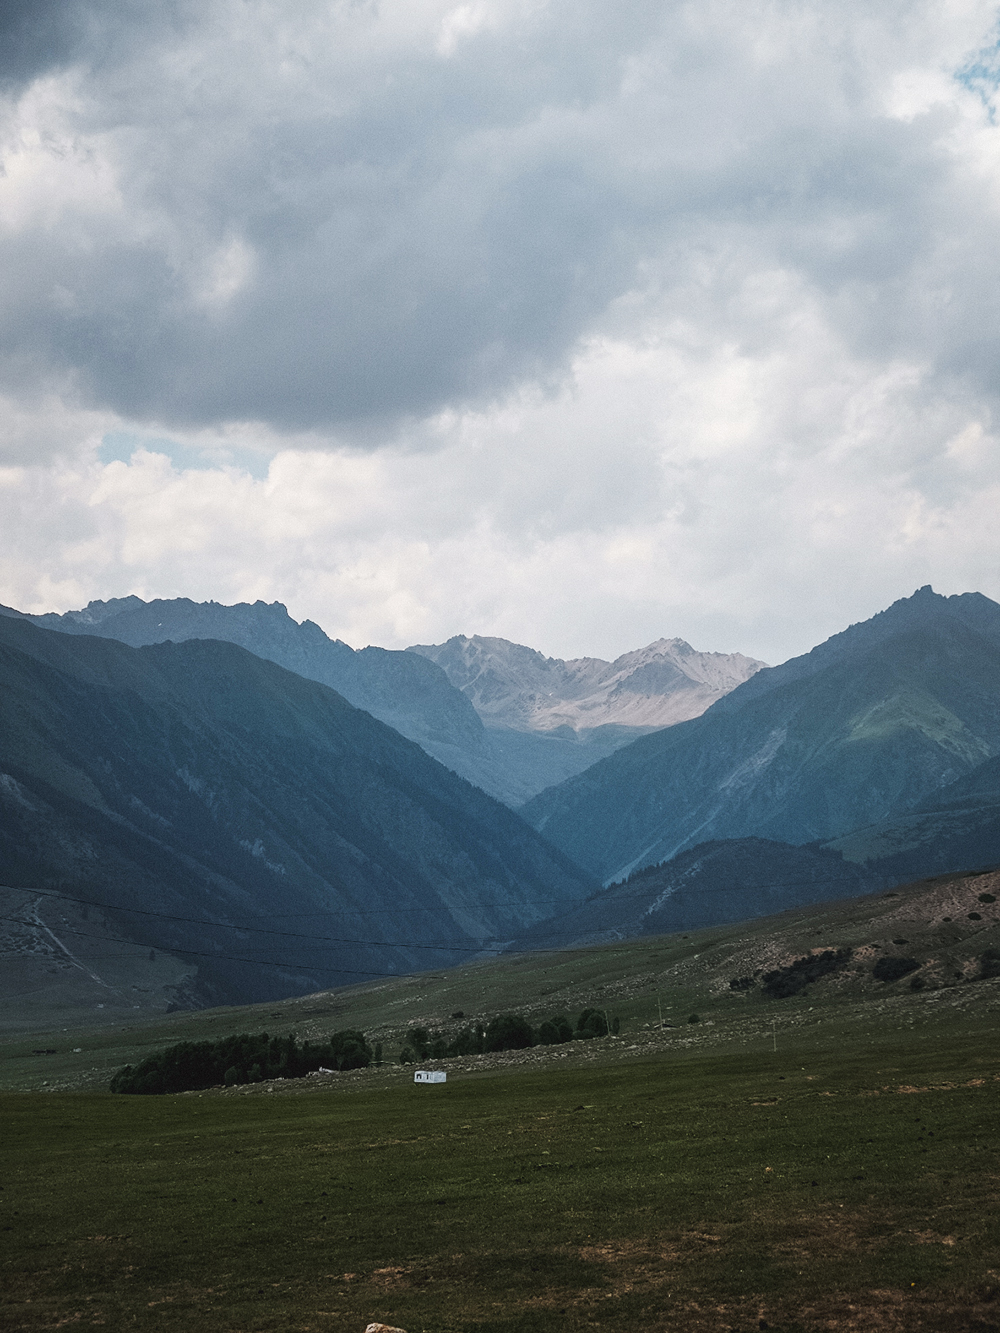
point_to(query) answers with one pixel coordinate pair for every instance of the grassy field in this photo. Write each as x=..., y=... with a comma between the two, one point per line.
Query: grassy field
x=652, y=984
x=835, y=1184
x=828, y=1161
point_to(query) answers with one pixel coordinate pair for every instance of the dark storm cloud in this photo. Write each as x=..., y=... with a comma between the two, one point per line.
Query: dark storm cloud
x=36, y=35
x=327, y=216
x=412, y=231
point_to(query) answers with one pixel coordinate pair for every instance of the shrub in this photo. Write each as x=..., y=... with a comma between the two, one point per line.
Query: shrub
x=784, y=982
x=891, y=969
x=741, y=983
x=694, y=1018
x=989, y=964
x=987, y=897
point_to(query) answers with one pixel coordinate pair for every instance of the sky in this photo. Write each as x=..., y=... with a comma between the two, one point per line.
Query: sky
x=574, y=323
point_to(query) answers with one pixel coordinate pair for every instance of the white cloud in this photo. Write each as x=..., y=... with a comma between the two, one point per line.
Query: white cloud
x=675, y=487
x=574, y=323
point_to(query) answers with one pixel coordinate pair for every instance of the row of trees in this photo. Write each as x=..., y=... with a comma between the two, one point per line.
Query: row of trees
x=505, y=1032
x=244, y=1058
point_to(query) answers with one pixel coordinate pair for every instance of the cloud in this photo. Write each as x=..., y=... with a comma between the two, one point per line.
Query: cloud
x=759, y=503
x=339, y=217
x=574, y=323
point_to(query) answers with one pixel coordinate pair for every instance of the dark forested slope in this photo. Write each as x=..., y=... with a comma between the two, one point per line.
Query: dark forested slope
x=194, y=783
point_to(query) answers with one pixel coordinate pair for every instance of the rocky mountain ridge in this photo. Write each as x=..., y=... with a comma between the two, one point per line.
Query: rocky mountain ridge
x=511, y=760
x=515, y=687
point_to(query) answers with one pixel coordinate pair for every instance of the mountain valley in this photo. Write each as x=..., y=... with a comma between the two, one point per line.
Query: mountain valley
x=566, y=715
x=271, y=838
x=186, y=822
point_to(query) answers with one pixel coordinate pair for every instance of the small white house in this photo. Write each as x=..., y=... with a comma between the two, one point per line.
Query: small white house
x=430, y=1076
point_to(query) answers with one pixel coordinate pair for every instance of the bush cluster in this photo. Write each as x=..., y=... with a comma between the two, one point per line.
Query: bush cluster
x=892, y=968
x=505, y=1032
x=244, y=1058
x=787, y=981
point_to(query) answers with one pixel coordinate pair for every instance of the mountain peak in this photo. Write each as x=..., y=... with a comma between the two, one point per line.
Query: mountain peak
x=516, y=687
x=923, y=609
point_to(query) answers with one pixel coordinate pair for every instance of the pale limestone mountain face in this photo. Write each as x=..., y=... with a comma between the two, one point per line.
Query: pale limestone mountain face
x=512, y=686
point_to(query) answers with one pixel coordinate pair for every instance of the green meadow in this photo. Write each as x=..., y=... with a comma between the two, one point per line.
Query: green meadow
x=830, y=1184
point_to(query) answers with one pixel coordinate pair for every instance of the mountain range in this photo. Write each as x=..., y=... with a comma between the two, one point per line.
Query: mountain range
x=213, y=805
x=869, y=727
x=501, y=715
x=252, y=833
x=569, y=714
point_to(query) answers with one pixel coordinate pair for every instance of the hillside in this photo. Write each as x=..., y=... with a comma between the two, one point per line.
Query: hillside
x=959, y=826
x=408, y=694
x=251, y=824
x=426, y=694
x=713, y=884
x=652, y=983
x=862, y=729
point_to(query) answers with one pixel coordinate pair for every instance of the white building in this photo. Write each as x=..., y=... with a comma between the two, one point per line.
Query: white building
x=430, y=1076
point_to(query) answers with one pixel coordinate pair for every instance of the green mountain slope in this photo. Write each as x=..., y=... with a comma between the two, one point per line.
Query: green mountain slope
x=957, y=828
x=238, y=816
x=713, y=884
x=865, y=727
x=408, y=692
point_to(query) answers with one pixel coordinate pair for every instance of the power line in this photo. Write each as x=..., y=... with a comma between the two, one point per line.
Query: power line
x=466, y=947
x=471, y=946
x=198, y=953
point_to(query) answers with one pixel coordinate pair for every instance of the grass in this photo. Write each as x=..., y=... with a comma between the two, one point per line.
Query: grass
x=685, y=1177
x=835, y=1184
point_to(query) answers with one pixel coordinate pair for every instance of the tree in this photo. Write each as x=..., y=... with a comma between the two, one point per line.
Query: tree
x=350, y=1050
x=508, y=1032
x=592, y=1023
x=891, y=969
